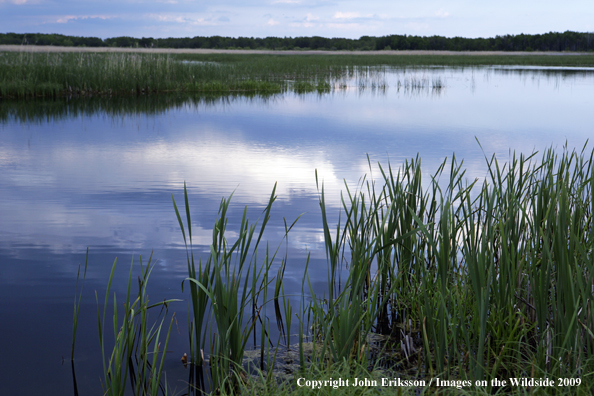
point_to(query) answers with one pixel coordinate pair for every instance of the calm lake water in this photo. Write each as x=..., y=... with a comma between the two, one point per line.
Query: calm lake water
x=99, y=173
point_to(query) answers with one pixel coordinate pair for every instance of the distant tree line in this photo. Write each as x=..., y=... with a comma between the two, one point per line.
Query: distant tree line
x=567, y=41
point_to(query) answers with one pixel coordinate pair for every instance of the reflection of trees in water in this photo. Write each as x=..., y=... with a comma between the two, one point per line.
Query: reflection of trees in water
x=43, y=110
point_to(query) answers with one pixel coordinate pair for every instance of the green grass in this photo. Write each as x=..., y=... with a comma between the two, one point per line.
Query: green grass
x=138, y=355
x=29, y=74
x=230, y=281
x=465, y=280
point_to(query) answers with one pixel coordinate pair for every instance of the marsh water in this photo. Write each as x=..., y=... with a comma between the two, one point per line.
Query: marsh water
x=99, y=173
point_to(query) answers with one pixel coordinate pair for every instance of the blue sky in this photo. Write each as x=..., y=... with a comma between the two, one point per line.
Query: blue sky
x=262, y=18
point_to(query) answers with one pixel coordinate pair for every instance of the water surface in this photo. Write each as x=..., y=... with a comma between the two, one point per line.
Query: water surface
x=100, y=172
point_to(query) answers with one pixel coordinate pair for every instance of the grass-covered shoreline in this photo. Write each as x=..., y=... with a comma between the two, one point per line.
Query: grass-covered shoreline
x=467, y=280
x=28, y=74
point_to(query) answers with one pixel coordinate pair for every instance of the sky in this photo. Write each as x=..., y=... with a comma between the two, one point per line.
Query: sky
x=292, y=18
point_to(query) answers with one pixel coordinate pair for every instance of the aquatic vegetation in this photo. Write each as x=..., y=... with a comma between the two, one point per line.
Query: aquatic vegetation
x=474, y=282
x=31, y=74
x=77, y=300
x=464, y=280
x=231, y=281
x=138, y=355
x=28, y=74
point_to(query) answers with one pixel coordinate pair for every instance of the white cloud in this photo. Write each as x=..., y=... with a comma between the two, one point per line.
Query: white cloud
x=272, y=22
x=203, y=22
x=346, y=15
x=181, y=18
x=286, y=2
x=442, y=13
x=304, y=24
x=68, y=18
x=311, y=17
x=346, y=26
x=168, y=18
